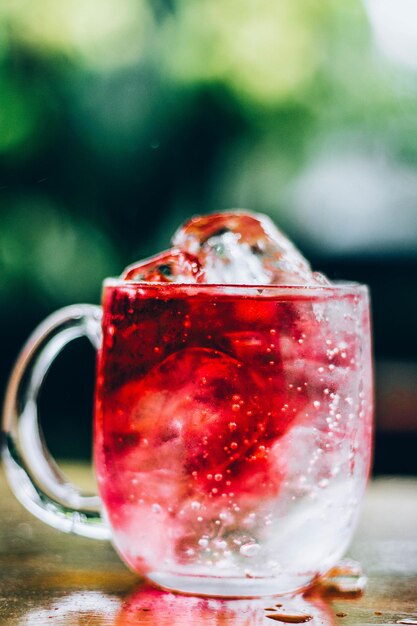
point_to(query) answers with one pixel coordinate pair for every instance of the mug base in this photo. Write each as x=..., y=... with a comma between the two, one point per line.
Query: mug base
x=230, y=587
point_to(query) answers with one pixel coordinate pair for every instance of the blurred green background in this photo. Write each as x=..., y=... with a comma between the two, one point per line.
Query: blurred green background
x=121, y=118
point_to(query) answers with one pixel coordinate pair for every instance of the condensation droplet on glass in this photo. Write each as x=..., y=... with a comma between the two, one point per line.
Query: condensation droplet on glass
x=203, y=542
x=249, y=550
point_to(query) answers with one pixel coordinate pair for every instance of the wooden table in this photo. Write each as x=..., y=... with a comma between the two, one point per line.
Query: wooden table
x=50, y=578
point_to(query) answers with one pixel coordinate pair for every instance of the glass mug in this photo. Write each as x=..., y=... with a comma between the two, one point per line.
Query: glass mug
x=232, y=431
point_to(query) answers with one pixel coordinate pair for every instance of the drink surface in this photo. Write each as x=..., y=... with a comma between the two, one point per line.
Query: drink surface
x=233, y=428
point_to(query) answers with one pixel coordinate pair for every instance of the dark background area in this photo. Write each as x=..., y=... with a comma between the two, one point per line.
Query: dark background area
x=119, y=119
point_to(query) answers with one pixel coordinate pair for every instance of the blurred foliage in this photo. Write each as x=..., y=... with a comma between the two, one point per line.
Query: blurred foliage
x=52, y=262
x=119, y=118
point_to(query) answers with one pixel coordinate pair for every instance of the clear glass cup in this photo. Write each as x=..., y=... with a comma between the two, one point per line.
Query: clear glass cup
x=233, y=429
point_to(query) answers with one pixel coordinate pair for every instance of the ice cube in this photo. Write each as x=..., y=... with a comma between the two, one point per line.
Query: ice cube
x=171, y=266
x=243, y=248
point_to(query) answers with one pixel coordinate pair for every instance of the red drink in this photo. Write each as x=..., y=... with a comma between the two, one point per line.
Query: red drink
x=233, y=413
x=233, y=430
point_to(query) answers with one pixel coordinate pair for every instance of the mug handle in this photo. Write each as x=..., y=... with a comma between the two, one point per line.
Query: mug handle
x=33, y=475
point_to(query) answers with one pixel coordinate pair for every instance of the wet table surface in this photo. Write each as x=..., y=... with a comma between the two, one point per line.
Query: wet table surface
x=47, y=577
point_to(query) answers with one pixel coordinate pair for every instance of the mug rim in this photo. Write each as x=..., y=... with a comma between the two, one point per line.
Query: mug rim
x=338, y=288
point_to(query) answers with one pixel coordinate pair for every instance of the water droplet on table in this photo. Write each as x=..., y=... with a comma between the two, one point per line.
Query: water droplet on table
x=290, y=618
x=345, y=579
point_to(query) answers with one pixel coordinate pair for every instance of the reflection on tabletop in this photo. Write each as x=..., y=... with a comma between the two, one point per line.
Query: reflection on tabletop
x=147, y=605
